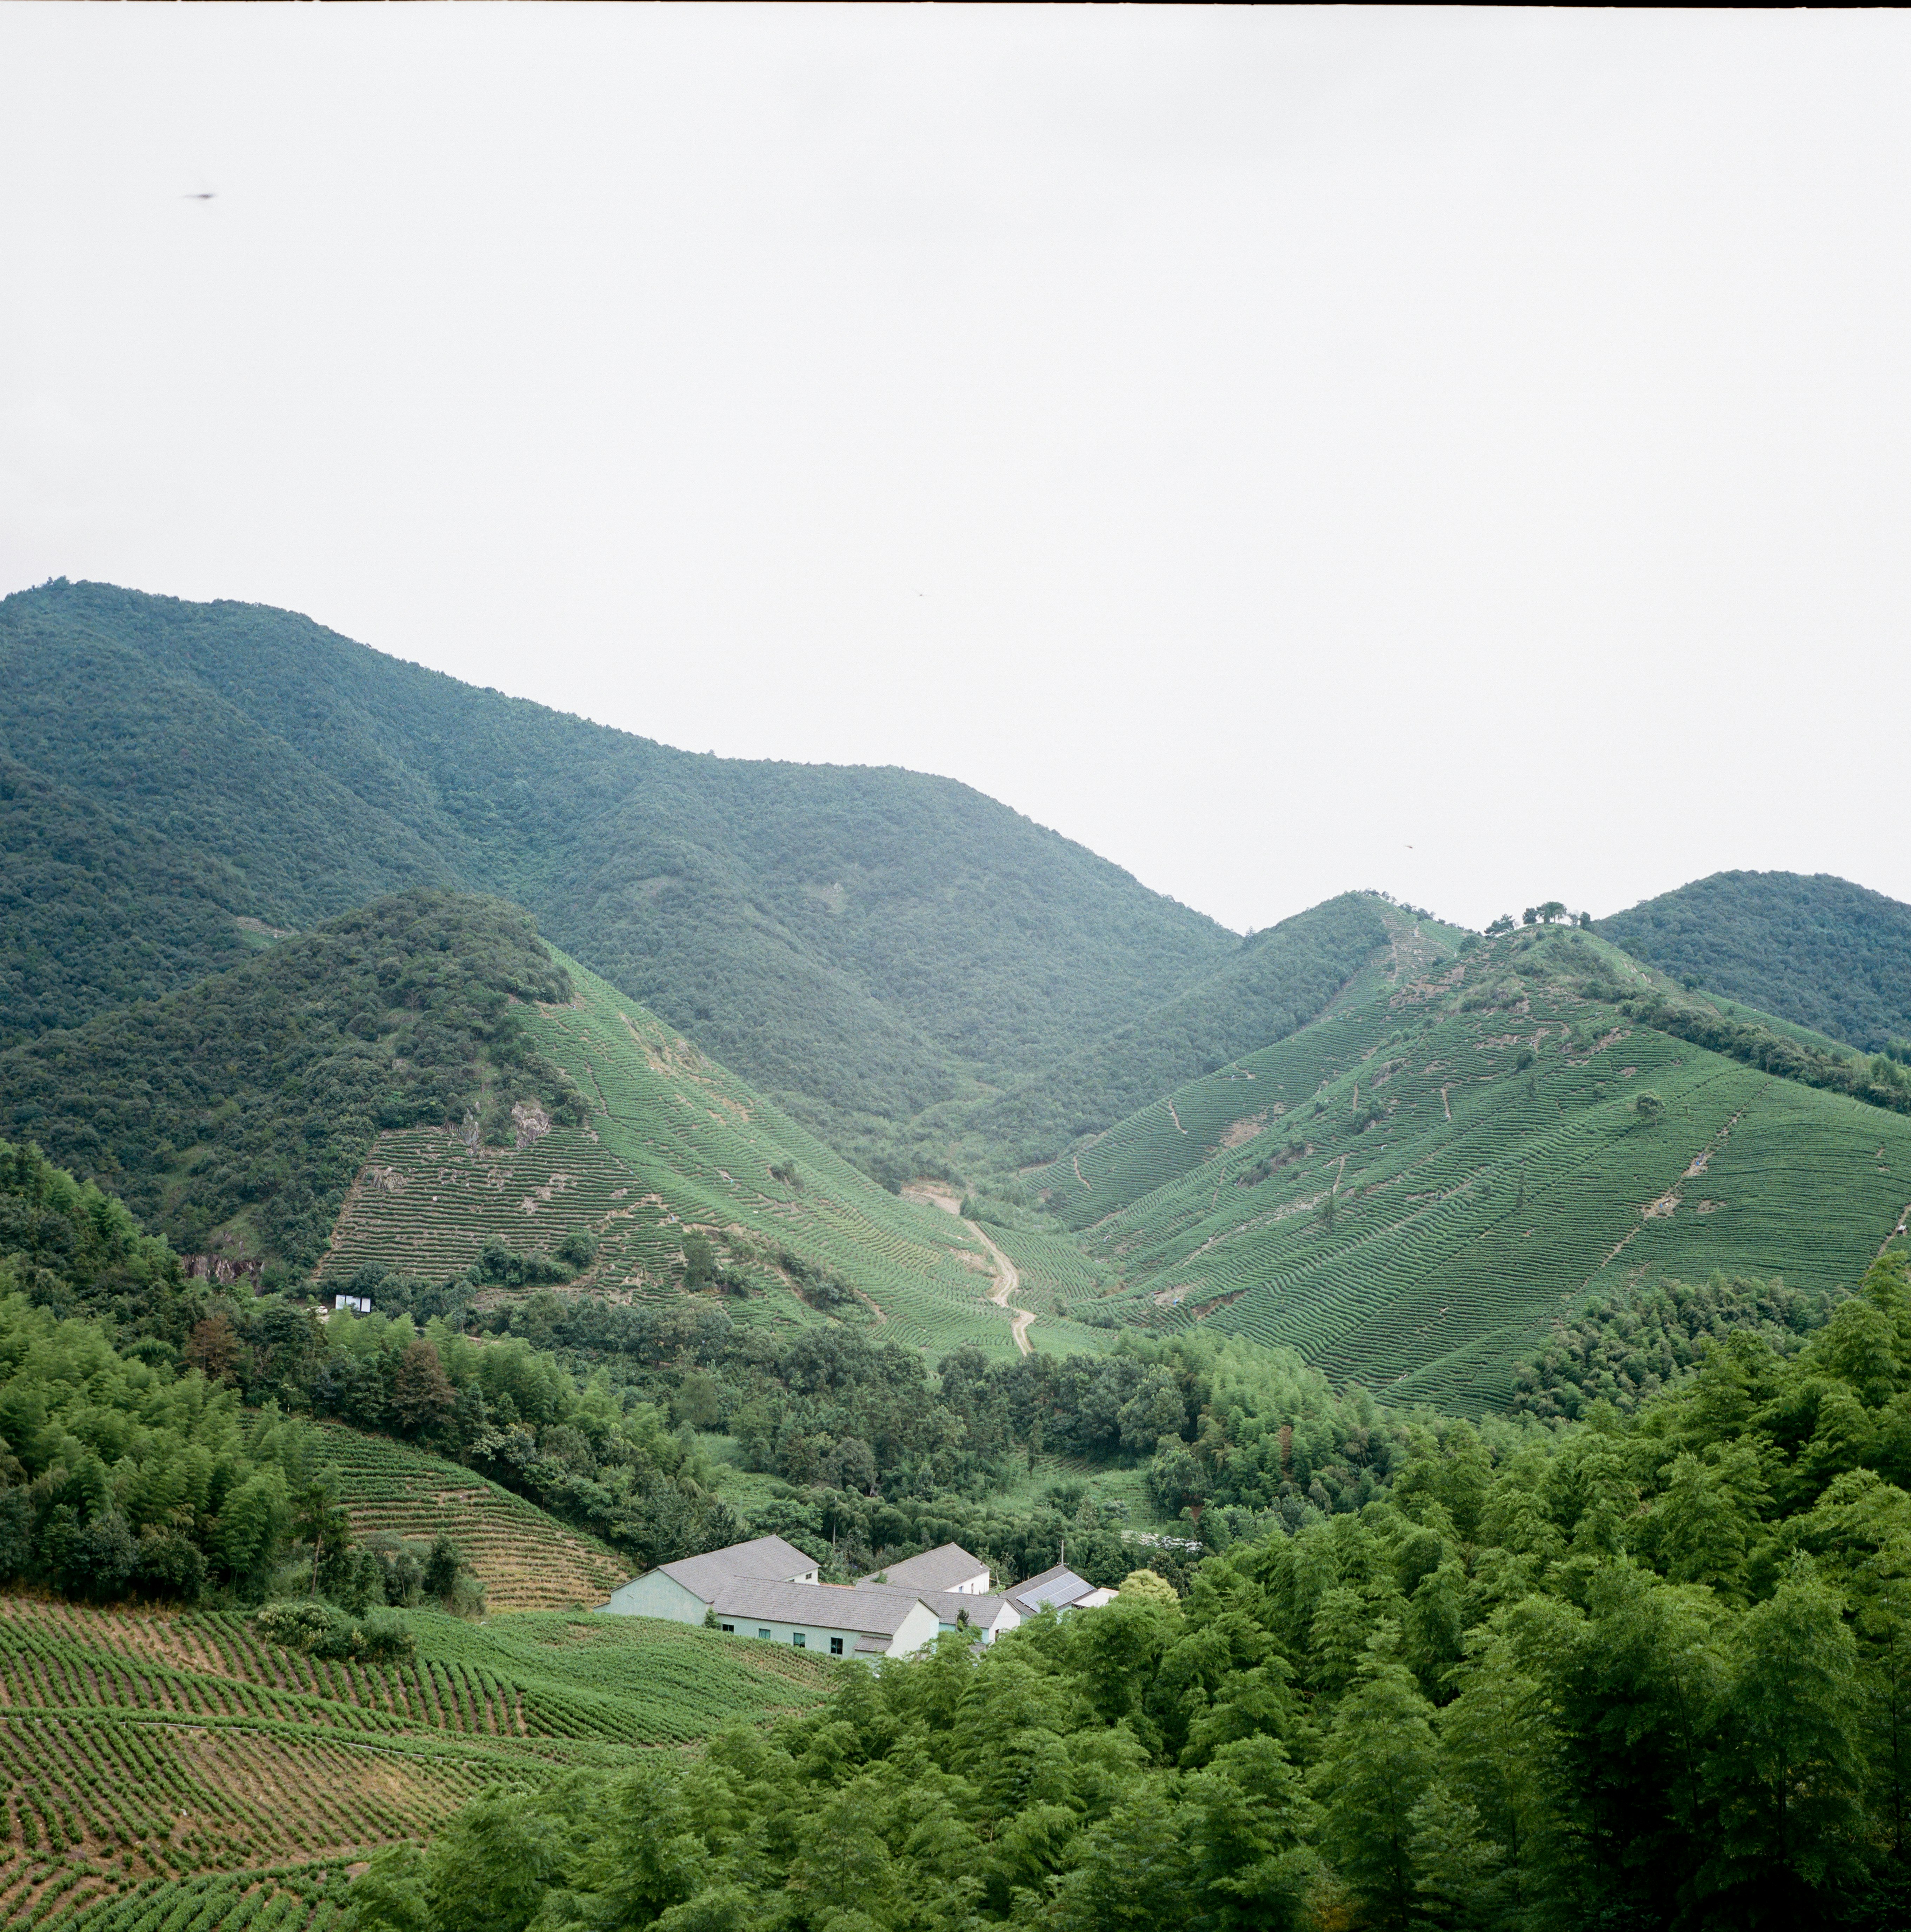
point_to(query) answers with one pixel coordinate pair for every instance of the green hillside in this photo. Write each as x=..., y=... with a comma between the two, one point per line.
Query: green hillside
x=1411, y=1189
x=403, y=1085
x=236, y=1111
x=862, y=943
x=1819, y=951
x=97, y=911
x=795, y=1227
x=164, y=1769
x=1276, y=981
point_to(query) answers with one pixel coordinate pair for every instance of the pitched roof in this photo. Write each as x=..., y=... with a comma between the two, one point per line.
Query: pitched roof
x=940, y=1569
x=821, y=1606
x=948, y=1605
x=1059, y=1586
x=765, y=1556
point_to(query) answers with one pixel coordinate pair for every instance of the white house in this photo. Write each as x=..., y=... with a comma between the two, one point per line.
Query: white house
x=950, y=1567
x=829, y=1618
x=769, y=1589
x=688, y=1588
x=987, y=1617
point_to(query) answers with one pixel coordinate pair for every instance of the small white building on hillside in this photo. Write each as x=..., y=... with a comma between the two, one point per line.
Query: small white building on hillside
x=686, y=1590
x=767, y=1588
x=829, y=1618
x=950, y=1567
x=986, y=1617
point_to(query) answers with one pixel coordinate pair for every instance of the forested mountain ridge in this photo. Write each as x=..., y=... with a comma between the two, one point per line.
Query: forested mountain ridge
x=96, y=912
x=244, y=1105
x=1818, y=950
x=863, y=943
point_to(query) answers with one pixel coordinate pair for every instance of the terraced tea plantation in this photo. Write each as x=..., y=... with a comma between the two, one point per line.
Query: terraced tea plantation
x=526, y=1559
x=168, y=1770
x=678, y=1145
x=1411, y=1189
x=428, y=1200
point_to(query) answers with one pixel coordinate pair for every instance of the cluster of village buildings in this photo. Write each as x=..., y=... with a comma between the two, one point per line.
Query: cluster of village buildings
x=767, y=1588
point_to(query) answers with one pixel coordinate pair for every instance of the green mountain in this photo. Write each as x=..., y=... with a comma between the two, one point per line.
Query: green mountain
x=864, y=944
x=236, y=1111
x=1819, y=951
x=1465, y=1149
x=1276, y=981
x=423, y=1087
x=98, y=911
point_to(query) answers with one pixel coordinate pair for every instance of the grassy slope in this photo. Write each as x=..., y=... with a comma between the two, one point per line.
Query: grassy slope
x=863, y=943
x=1276, y=982
x=156, y=1756
x=1820, y=951
x=675, y=1143
x=1487, y=1198
x=526, y=1559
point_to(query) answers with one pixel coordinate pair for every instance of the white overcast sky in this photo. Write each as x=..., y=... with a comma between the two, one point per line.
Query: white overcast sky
x=1460, y=453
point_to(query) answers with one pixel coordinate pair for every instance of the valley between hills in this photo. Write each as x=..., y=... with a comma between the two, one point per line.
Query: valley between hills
x=454, y=1158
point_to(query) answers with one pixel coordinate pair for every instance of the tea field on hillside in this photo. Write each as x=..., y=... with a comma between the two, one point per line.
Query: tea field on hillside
x=1409, y=1191
x=428, y=1200
x=525, y=1559
x=677, y=1145
x=142, y=1753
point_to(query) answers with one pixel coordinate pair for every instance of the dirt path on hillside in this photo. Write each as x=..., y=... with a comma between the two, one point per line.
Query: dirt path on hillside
x=1009, y=1279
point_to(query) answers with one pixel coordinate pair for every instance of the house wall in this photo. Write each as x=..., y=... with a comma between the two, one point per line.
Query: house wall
x=918, y=1628
x=657, y=1595
x=816, y=1636
x=1005, y=1620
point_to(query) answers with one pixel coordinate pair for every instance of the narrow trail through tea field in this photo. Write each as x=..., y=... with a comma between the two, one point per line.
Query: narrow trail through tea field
x=1009, y=1279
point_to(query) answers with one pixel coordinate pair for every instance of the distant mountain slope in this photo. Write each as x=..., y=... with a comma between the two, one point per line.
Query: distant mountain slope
x=1817, y=950
x=1411, y=1189
x=863, y=943
x=1276, y=981
x=673, y=1146
x=96, y=912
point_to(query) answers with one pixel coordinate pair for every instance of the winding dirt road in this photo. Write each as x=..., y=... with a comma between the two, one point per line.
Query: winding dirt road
x=1009, y=1279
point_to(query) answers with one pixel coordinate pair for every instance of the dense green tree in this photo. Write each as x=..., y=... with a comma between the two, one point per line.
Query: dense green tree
x=1380, y=1761
x=1790, y=1771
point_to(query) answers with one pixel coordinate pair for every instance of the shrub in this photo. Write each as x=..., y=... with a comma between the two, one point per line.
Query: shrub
x=320, y=1629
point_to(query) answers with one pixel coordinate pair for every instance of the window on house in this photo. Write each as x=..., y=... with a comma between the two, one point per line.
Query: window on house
x=762, y=1632
x=800, y=1640
x=836, y=1646
x=732, y=1628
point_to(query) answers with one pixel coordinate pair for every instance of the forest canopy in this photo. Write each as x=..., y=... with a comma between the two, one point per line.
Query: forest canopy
x=1652, y=1671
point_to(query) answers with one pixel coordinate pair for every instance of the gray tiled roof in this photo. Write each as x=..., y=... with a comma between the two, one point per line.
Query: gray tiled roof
x=821, y=1606
x=1059, y=1586
x=766, y=1556
x=948, y=1605
x=941, y=1569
